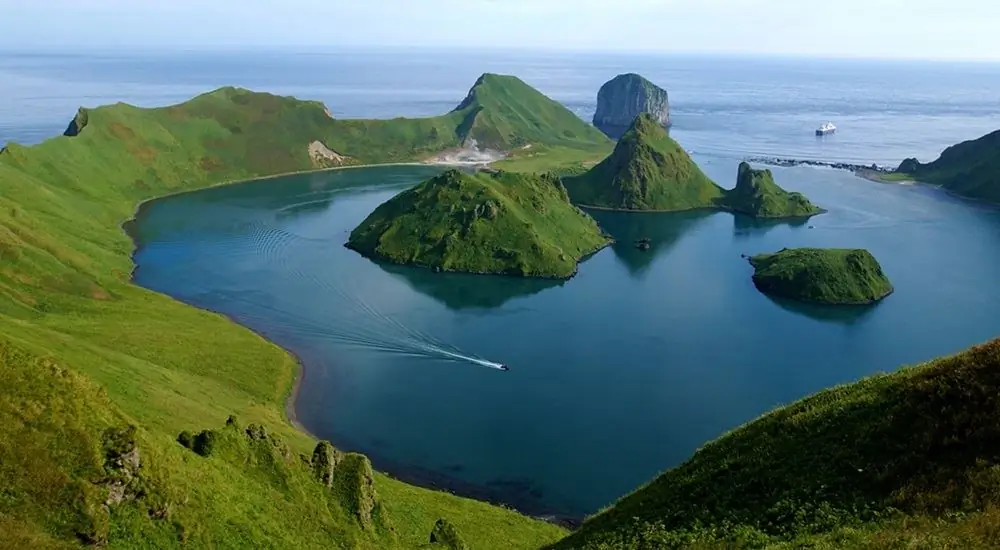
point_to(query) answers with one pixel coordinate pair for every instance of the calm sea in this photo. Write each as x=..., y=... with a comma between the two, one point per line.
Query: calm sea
x=624, y=370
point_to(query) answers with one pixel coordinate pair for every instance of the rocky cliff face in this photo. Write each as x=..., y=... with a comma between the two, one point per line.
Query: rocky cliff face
x=625, y=97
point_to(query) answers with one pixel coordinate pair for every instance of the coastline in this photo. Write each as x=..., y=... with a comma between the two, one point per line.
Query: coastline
x=408, y=474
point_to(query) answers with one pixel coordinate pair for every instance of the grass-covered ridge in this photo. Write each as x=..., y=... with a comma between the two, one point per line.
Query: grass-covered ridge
x=838, y=276
x=758, y=196
x=905, y=460
x=648, y=171
x=85, y=352
x=485, y=222
x=970, y=169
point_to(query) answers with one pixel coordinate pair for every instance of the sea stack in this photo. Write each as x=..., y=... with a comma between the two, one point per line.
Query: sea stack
x=625, y=97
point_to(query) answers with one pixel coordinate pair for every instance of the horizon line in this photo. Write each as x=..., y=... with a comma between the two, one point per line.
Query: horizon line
x=319, y=49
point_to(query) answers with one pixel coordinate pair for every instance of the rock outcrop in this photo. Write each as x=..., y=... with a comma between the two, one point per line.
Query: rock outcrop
x=324, y=460
x=446, y=536
x=625, y=97
x=757, y=195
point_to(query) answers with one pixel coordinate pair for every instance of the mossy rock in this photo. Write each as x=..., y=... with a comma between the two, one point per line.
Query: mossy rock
x=204, y=442
x=324, y=461
x=354, y=484
x=446, y=535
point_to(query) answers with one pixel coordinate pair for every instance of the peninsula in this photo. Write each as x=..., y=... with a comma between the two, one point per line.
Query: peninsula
x=649, y=171
x=487, y=222
x=625, y=97
x=969, y=169
x=821, y=275
x=104, y=382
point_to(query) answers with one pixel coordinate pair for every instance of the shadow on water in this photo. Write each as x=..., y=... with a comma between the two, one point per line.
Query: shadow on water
x=464, y=291
x=745, y=226
x=841, y=315
x=662, y=229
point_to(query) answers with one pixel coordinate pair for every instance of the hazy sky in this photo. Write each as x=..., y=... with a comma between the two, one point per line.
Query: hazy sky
x=866, y=28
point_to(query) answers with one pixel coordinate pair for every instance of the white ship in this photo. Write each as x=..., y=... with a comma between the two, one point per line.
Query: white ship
x=825, y=129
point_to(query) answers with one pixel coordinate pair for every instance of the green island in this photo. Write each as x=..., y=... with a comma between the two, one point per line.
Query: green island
x=757, y=195
x=131, y=420
x=837, y=276
x=487, y=222
x=969, y=169
x=649, y=171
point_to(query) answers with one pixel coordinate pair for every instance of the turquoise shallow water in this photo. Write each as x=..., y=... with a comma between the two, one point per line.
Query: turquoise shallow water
x=617, y=374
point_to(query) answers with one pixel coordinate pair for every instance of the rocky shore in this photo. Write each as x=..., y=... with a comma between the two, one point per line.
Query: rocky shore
x=857, y=168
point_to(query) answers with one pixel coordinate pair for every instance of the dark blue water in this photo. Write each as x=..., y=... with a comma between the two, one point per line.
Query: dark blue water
x=624, y=370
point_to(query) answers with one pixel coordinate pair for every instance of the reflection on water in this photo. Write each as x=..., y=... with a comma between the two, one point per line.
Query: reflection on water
x=616, y=374
x=462, y=291
x=662, y=229
x=745, y=226
x=850, y=315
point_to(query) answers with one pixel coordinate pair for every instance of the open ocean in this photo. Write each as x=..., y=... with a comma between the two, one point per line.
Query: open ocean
x=885, y=111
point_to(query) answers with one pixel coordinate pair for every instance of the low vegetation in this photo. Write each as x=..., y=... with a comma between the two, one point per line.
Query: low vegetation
x=649, y=171
x=113, y=401
x=757, y=195
x=837, y=276
x=905, y=460
x=970, y=169
x=486, y=222
x=646, y=171
x=93, y=365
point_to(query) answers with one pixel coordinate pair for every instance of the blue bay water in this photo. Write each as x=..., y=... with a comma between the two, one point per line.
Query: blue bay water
x=624, y=370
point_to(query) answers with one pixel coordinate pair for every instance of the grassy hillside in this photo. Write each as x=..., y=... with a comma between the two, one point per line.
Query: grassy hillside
x=970, y=169
x=646, y=171
x=85, y=351
x=502, y=222
x=502, y=112
x=906, y=460
x=821, y=275
x=758, y=196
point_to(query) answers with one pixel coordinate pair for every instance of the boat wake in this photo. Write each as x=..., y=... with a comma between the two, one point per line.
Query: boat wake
x=358, y=323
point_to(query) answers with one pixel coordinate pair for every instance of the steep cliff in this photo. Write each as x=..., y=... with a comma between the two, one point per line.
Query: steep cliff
x=625, y=97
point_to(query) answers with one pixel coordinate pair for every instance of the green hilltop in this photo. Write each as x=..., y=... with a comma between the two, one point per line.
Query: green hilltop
x=970, y=169
x=904, y=460
x=501, y=222
x=822, y=275
x=649, y=171
x=85, y=354
x=114, y=398
x=758, y=196
x=646, y=171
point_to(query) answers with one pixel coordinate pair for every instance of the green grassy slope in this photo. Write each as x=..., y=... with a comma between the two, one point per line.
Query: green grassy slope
x=502, y=112
x=822, y=275
x=757, y=195
x=646, y=171
x=970, y=169
x=906, y=460
x=144, y=359
x=503, y=222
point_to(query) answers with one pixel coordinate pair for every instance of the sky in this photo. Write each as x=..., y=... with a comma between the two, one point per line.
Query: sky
x=920, y=29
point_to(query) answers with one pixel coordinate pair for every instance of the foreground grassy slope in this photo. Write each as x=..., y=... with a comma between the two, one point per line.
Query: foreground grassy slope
x=970, y=169
x=906, y=460
x=758, y=196
x=142, y=359
x=837, y=276
x=502, y=223
x=646, y=171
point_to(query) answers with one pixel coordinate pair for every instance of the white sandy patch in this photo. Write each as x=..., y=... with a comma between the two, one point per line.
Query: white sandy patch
x=321, y=154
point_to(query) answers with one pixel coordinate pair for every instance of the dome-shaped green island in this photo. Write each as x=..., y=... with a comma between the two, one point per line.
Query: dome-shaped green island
x=838, y=276
x=487, y=222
